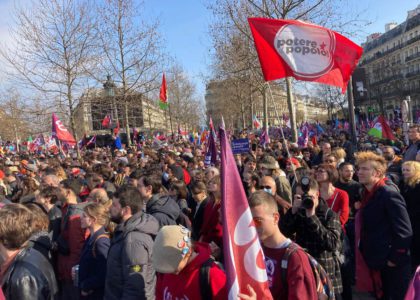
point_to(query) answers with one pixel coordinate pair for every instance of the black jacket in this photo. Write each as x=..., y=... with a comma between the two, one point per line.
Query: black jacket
x=164, y=209
x=92, y=266
x=197, y=220
x=30, y=276
x=386, y=229
x=129, y=273
x=320, y=235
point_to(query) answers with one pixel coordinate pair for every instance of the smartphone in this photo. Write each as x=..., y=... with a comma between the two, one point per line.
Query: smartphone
x=254, y=147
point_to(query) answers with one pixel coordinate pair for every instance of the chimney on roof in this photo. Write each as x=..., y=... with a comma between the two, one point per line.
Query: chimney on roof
x=390, y=26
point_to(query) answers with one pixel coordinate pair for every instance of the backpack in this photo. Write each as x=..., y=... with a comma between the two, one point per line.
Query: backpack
x=204, y=278
x=324, y=287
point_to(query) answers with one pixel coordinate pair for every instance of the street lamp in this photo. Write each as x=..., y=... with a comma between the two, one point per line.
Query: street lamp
x=109, y=87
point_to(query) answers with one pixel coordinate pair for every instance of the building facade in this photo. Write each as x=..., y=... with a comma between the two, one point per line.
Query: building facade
x=94, y=105
x=238, y=105
x=389, y=70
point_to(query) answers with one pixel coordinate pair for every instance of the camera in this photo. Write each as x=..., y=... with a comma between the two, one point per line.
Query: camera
x=307, y=202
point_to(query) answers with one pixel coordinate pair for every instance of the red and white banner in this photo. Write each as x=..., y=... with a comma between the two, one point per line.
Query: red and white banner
x=60, y=131
x=244, y=259
x=304, y=51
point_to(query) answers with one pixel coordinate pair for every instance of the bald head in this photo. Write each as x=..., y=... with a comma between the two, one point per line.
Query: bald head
x=99, y=195
x=268, y=181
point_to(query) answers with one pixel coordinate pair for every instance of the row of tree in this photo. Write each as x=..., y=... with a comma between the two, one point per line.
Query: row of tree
x=60, y=48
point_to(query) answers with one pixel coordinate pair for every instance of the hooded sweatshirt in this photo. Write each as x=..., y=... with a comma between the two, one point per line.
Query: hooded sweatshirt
x=164, y=209
x=186, y=285
x=130, y=274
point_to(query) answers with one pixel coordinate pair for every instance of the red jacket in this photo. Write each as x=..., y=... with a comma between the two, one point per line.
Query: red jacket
x=75, y=236
x=301, y=283
x=186, y=285
x=339, y=203
x=212, y=229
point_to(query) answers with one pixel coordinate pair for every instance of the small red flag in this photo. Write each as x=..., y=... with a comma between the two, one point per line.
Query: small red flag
x=244, y=259
x=106, y=122
x=163, y=97
x=61, y=132
x=304, y=51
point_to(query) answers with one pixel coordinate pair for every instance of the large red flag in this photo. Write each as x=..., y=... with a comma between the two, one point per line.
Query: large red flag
x=61, y=132
x=244, y=259
x=304, y=51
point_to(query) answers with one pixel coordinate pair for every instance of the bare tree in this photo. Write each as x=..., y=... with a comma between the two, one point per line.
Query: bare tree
x=184, y=106
x=132, y=49
x=334, y=98
x=53, y=44
x=231, y=21
x=15, y=126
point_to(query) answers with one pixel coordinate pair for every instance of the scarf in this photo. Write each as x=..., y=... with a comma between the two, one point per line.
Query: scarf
x=367, y=280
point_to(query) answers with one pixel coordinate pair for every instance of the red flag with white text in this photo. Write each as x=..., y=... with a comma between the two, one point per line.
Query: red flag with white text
x=244, y=259
x=60, y=131
x=304, y=51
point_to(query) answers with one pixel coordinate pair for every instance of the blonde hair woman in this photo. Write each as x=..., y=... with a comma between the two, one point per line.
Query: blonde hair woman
x=411, y=191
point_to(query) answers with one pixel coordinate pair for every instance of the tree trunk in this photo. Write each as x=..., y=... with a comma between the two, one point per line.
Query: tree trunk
x=265, y=108
x=291, y=107
x=127, y=125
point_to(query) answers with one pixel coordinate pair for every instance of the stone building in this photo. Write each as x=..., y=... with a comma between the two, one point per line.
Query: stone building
x=237, y=105
x=95, y=104
x=389, y=69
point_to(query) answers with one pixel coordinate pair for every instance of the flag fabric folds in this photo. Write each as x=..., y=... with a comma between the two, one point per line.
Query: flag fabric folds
x=381, y=129
x=60, y=132
x=244, y=259
x=163, y=97
x=107, y=121
x=308, y=52
x=256, y=122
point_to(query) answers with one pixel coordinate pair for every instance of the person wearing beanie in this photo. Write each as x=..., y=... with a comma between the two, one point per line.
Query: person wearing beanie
x=179, y=262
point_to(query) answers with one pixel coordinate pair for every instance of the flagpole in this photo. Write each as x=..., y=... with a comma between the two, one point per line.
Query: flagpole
x=281, y=129
x=350, y=100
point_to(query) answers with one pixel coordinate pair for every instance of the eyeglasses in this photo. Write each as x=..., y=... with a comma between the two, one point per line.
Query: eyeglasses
x=320, y=171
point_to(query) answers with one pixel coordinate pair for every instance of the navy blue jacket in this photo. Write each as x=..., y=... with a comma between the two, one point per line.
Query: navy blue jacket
x=92, y=268
x=386, y=229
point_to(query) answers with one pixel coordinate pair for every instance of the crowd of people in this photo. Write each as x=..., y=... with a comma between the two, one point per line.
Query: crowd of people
x=146, y=223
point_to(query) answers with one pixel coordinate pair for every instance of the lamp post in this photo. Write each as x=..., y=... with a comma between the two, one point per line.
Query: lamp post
x=109, y=87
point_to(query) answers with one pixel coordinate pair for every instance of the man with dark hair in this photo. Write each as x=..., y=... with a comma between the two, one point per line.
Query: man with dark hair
x=317, y=229
x=25, y=272
x=347, y=145
x=159, y=205
x=414, y=148
x=394, y=164
x=130, y=274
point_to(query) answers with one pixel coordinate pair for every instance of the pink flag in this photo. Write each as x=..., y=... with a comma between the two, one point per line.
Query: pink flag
x=61, y=132
x=244, y=259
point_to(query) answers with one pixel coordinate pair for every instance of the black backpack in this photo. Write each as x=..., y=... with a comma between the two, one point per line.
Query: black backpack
x=204, y=277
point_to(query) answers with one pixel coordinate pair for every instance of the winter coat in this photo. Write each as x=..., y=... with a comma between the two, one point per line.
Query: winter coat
x=129, y=272
x=72, y=238
x=92, y=266
x=320, y=235
x=164, y=209
x=30, y=276
x=186, y=284
x=386, y=229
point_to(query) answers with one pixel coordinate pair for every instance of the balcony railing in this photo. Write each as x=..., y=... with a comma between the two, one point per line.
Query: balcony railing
x=412, y=57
